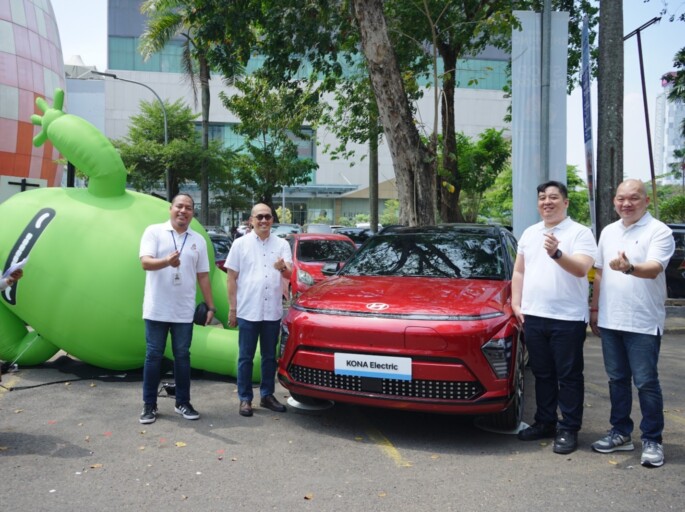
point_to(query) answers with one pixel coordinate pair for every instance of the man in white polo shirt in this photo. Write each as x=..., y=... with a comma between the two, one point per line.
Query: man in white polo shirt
x=175, y=258
x=628, y=311
x=255, y=266
x=550, y=294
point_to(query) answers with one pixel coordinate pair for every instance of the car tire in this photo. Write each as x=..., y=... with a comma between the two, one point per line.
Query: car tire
x=511, y=417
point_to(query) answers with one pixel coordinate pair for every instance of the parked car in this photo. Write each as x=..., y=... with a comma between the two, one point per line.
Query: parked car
x=418, y=319
x=222, y=244
x=317, y=228
x=215, y=230
x=310, y=252
x=358, y=235
x=282, y=230
x=675, y=271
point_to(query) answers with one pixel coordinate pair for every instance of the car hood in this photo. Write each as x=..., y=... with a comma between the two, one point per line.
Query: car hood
x=313, y=268
x=409, y=296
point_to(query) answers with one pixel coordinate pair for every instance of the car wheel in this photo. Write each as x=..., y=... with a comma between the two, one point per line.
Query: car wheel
x=510, y=418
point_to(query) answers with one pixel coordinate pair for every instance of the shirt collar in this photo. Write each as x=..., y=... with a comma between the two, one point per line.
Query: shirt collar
x=169, y=227
x=644, y=220
x=560, y=227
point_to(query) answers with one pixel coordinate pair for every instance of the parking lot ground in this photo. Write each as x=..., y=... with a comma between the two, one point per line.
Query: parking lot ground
x=70, y=440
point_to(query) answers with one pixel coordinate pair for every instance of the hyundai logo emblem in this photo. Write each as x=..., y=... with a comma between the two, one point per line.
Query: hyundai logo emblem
x=377, y=306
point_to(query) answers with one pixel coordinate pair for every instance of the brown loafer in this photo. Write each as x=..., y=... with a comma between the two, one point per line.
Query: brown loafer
x=270, y=402
x=245, y=408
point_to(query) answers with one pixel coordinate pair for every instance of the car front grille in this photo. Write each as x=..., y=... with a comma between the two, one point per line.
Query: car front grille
x=427, y=389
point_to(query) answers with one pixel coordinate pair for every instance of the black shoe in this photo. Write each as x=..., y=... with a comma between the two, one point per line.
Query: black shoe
x=149, y=414
x=270, y=402
x=245, y=408
x=187, y=411
x=566, y=441
x=537, y=431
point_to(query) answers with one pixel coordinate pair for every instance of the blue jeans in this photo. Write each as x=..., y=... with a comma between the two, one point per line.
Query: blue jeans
x=633, y=355
x=155, y=338
x=267, y=333
x=555, y=349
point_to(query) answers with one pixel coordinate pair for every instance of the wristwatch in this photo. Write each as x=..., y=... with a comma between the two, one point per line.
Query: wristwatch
x=556, y=255
x=629, y=270
x=213, y=310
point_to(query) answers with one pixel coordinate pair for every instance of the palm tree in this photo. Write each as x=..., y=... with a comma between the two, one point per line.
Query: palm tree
x=168, y=19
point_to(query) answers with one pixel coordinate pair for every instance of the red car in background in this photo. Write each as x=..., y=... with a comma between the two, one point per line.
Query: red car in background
x=310, y=252
x=418, y=319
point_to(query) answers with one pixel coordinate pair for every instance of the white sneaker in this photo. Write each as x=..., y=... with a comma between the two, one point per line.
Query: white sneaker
x=652, y=454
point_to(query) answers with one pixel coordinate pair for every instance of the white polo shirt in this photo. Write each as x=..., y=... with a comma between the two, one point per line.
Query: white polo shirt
x=548, y=290
x=629, y=303
x=165, y=301
x=259, y=283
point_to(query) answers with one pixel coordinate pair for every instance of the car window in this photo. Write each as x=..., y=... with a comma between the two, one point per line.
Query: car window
x=221, y=247
x=438, y=254
x=324, y=250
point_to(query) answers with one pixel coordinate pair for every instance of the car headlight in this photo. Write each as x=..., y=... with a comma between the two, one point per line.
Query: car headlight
x=498, y=353
x=305, y=277
x=284, y=338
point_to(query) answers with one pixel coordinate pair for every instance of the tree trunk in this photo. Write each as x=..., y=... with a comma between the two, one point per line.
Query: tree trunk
x=609, y=109
x=373, y=170
x=204, y=174
x=413, y=163
x=449, y=201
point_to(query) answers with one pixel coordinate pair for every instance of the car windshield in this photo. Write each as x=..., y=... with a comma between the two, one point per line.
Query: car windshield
x=282, y=230
x=324, y=250
x=358, y=236
x=465, y=255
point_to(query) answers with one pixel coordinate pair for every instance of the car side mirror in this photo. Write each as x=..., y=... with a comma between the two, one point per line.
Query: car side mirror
x=331, y=268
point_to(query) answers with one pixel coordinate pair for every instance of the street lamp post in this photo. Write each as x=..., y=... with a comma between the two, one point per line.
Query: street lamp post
x=166, y=133
x=638, y=32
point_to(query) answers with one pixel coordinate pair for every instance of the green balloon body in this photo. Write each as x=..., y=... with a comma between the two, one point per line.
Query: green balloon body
x=83, y=284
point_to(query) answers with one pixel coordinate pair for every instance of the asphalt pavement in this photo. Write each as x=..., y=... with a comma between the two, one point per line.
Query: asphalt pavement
x=70, y=440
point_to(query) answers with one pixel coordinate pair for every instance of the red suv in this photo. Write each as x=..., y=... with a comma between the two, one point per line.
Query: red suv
x=418, y=319
x=310, y=252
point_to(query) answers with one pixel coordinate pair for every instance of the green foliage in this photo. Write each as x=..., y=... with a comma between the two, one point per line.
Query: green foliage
x=677, y=81
x=671, y=199
x=479, y=165
x=147, y=158
x=498, y=206
x=578, y=200
x=284, y=217
x=345, y=221
x=268, y=119
x=391, y=214
x=672, y=210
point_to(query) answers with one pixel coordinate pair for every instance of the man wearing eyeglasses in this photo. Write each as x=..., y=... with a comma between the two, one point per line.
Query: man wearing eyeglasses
x=255, y=265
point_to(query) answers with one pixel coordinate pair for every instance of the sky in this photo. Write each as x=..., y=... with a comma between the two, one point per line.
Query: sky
x=83, y=31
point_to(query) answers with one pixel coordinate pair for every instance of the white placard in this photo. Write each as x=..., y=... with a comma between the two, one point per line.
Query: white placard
x=379, y=367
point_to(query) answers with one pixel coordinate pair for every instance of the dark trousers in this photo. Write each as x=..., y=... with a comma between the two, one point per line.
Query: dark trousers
x=555, y=349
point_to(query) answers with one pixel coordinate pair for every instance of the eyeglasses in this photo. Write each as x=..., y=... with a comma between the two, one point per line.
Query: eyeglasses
x=264, y=216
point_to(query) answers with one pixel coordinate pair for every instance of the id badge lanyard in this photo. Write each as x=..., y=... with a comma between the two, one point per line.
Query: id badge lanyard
x=177, y=274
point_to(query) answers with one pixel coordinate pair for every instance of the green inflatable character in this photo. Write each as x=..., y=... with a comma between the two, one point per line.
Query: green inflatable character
x=82, y=289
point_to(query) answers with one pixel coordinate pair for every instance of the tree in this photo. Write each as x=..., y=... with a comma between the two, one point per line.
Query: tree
x=610, y=110
x=200, y=23
x=414, y=164
x=147, y=157
x=417, y=32
x=480, y=163
x=497, y=205
x=269, y=118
